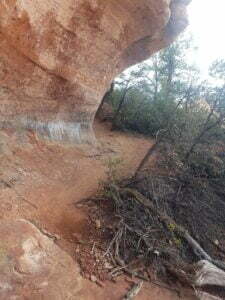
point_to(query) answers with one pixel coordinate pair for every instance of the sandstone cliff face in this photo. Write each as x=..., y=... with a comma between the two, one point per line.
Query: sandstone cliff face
x=57, y=58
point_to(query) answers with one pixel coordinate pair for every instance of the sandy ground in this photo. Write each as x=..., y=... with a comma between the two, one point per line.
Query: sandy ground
x=41, y=182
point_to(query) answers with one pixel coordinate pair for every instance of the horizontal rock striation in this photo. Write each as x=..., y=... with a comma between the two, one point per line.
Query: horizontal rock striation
x=58, y=58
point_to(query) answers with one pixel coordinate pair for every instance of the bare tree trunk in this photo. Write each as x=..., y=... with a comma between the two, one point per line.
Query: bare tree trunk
x=156, y=87
x=170, y=68
x=206, y=128
x=146, y=158
x=198, y=139
x=154, y=147
x=120, y=106
x=106, y=96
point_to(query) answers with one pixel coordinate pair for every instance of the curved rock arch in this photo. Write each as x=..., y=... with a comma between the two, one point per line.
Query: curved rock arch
x=58, y=58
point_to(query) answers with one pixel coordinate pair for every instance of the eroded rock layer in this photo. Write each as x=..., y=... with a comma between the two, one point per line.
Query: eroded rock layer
x=57, y=58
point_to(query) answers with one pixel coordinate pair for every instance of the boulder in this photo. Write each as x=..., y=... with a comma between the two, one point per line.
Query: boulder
x=33, y=267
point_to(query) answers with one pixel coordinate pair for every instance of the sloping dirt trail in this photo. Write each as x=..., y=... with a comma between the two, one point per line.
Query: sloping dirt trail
x=41, y=182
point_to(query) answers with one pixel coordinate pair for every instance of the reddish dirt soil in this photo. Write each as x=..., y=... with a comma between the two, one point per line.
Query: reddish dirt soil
x=42, y=182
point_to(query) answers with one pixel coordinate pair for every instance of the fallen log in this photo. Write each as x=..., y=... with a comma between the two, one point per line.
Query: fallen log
x=205, y=296
x=208, y=272
x=198, y=250
x=134, y=291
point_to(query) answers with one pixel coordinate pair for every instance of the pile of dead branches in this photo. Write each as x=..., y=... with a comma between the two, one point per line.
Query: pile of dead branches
x=165, y=230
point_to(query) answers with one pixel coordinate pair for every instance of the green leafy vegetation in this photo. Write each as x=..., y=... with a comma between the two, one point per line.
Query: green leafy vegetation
x=165, y=98
x=179, y=203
